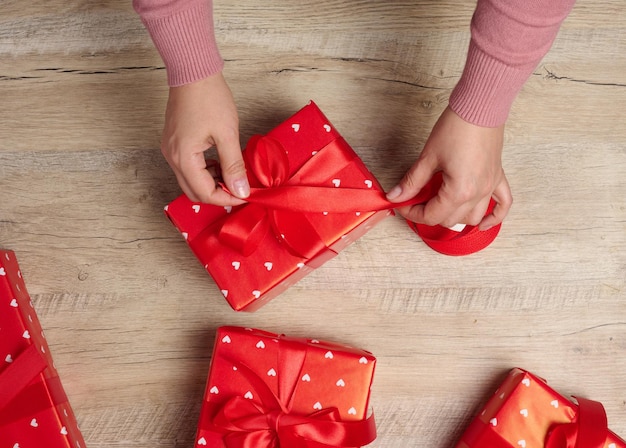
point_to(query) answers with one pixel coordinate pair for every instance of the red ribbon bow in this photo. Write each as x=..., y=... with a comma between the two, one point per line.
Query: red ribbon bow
x=588, y=430
x=280, y=201
x=271, y=423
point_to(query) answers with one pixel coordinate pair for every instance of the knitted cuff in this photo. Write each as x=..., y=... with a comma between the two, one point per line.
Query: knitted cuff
x=487, y=88
x=186, y=43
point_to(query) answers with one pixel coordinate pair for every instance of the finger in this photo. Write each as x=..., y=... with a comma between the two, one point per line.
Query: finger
x=413, y=180
x=200, y=185
x=232, y=165
x=476, y=214
x=504, y=199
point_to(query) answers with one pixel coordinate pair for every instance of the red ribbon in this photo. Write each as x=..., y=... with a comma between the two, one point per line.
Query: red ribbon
x=20, y=394
x=280, y=201
x=588, y=430
x=271, y=423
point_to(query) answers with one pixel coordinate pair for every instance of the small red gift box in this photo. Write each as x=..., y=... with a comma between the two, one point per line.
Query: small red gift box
x=307, y=187
x=267, y=390
x=526, y=413
x=34, y=410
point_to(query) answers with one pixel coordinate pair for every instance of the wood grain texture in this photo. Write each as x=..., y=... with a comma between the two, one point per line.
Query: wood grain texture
x=129, y=313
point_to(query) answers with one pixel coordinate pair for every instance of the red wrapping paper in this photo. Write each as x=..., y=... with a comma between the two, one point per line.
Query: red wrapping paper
x=526, y=413
x=261, y=384
x=249, y=280
x=34, y=410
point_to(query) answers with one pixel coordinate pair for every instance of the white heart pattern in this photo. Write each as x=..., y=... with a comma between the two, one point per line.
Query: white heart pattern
x=260, y=344
x=368, y=183
x=166, y=208
x=327, y=127
x=358, y=213
x=236, y=265
x=268, y=265
x=34, y=423
x=271, y=372
x=248, y=395
x=226, y=339
x=8, y=359
x=26, y=335
x=555, y=403
x=340, y=383
x=64, y=431
x=329, y=355
x=494, y=421
x=336, y=182
x=228, y=208
x=256, y=293
x=17, y=445
x=2, y=272
x=317, y=405
x=352, y=411
x=185, y=235
x=612, y=445
x=196, y=208
x=306, y=378
x=300, y=265
x=225, y=292
x=363, y=360
x=524, y=412
x=313, y=153
x=202, y=441
x=214, y=390
x=295, y=127
x=526, y=382
x=522, y=443
x=14, y=303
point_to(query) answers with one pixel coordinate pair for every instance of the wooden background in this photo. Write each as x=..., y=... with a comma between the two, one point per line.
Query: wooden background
x=130, y=314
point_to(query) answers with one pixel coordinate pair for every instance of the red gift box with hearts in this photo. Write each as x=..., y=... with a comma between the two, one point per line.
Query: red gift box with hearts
x=525, y=412
x=307, y=185
x=34, y=410
x=267, y=390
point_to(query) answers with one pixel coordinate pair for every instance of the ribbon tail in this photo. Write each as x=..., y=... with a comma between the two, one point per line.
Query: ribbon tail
x=331, y=433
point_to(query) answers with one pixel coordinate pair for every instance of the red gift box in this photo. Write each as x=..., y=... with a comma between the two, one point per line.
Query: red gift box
x=256, y=251
x=34, y=410
x=268, y=390
x=526, y=413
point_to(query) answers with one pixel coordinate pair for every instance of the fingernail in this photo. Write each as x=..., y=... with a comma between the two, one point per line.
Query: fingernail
x=394, y=192
x=241, y=188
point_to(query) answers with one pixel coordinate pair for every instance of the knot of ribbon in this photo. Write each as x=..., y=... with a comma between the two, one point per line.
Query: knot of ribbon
x=588, y=430
x=280, y=199
x=270, y=421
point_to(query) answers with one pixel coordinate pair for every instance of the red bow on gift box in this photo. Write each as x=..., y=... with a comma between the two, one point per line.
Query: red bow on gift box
x=589, y=430
x=280, y=202
x=270, y=422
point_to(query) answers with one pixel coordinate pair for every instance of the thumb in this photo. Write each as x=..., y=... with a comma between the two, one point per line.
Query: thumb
x=233, y=167
x=413, y=180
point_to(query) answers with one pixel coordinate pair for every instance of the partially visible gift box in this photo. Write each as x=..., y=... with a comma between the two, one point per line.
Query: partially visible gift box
x=526, y=413
x=266, y=390
x=256, y=251
x=34, y=410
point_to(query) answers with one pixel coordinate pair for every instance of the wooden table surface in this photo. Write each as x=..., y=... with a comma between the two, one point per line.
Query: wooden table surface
x=130, y=314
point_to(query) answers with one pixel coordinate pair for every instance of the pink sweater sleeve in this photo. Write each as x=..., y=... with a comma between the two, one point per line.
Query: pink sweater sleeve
x=182, y=31
x=509, y=39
